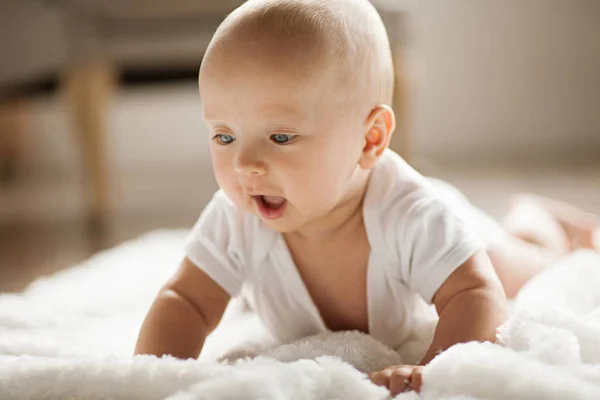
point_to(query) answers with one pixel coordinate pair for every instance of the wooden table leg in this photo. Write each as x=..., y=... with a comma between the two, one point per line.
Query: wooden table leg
x=89, y=91
x=12, y=135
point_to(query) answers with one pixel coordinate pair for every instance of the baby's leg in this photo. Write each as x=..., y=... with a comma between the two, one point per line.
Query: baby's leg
x=540, y=232
x=578, y=226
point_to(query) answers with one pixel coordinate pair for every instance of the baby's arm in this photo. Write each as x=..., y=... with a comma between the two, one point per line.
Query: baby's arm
x=187, y=308
x=471, y=304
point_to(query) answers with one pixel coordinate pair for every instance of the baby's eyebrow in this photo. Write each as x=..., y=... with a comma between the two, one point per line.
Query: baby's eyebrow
x=212, y=118
x=215, y=123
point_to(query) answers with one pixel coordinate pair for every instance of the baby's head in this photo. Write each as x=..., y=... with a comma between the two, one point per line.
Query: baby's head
x=296, y=96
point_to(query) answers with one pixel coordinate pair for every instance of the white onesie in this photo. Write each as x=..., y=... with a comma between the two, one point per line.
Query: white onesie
x=420, y=230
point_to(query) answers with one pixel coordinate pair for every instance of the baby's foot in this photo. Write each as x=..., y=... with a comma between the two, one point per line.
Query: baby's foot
x=580, y=227
x=529, y=221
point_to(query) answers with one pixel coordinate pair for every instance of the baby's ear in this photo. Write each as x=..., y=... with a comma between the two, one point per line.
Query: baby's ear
x=380, y=126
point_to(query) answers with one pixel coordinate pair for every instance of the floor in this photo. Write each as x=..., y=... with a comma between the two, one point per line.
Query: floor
x=30, y=250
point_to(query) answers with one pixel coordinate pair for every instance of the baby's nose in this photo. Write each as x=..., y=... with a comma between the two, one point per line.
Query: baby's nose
x=250, y=165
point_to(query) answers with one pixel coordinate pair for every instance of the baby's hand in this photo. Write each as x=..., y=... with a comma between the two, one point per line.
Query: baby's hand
x=399, y=378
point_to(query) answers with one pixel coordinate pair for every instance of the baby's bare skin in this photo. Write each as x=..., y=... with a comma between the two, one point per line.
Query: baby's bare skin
x=540, y=231
x=333, y=268
x=578, y=227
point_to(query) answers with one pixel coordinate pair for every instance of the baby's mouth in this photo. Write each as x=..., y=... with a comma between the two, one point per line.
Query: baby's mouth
x=273, y=202
x=271, y=207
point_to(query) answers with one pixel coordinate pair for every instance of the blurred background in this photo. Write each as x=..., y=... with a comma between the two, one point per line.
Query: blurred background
x=101, y=133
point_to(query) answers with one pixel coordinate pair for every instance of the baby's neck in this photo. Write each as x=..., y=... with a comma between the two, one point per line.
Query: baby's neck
x=345, y=217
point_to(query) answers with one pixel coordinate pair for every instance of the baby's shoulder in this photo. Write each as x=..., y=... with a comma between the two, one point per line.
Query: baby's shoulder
x=396, y=189
x=401, y=204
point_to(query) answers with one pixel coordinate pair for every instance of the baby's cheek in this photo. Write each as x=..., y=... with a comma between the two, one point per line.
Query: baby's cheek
x=222, y=177
x=226, y=179
x=320, y=192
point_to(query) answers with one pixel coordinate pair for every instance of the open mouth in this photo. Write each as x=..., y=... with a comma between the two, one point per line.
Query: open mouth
x=271, y=207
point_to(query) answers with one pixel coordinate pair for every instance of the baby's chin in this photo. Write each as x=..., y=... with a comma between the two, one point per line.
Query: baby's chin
x=293, y=222
x=281, y=226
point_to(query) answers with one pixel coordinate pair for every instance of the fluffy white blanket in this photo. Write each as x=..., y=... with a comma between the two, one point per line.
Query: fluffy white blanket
x=70, y=336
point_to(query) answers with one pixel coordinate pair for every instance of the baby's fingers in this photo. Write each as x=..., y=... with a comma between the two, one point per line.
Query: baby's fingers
x=400, y=379
x=379, y=378
x=416, y=379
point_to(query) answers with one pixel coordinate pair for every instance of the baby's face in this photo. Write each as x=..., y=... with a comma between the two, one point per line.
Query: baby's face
x=285, y=144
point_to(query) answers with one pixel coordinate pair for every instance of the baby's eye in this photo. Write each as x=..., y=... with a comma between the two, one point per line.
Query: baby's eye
x=282, y=138
x=224, y=138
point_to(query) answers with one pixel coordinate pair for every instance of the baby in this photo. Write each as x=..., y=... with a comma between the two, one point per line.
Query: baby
x=316, y=222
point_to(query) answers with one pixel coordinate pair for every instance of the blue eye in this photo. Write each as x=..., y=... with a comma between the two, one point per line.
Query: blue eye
x=224, y=139
x=281, y=138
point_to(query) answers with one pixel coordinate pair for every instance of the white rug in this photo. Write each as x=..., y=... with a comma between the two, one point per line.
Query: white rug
x=70, y=336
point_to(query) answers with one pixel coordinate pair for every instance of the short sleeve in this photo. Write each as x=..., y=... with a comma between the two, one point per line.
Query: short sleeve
x=433, y=242
x=215, y=244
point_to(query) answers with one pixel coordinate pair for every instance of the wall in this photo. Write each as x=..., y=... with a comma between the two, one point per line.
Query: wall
x=507, y=77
